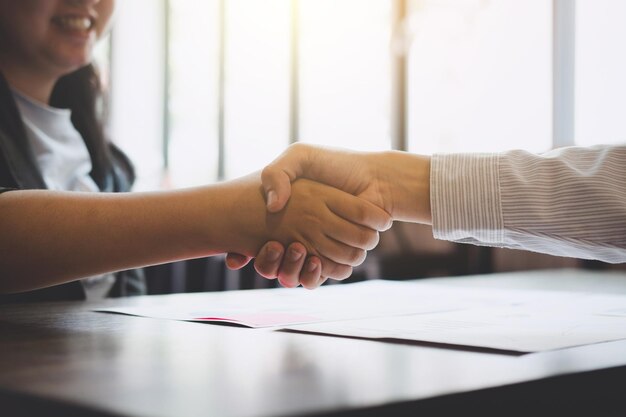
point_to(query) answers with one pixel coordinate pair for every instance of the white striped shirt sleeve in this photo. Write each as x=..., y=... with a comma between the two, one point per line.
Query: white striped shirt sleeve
x=567, y=202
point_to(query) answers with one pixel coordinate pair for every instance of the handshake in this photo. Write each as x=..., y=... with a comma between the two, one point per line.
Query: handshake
x=325, y=209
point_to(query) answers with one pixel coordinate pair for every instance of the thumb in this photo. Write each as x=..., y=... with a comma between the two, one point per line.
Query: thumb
x=236, y=261
x=277, y=187
x=294, y=163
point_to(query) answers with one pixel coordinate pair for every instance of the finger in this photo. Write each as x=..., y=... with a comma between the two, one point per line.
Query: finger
x=311, y=273
x=322, y=281
x=236, y=261
x=351, y=234
x=340, y=253
x=278, y=175
x=335, y=270
x=293, y=261
x=267, y=262
x=359, y=211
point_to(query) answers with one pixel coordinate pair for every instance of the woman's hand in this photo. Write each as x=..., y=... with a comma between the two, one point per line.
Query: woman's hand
x=335, y=226
x=291, y=266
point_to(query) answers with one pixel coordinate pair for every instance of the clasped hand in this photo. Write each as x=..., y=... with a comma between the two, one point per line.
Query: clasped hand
x=324, y=248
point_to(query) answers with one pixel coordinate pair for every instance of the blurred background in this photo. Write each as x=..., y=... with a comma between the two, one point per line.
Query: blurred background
x=208, y=90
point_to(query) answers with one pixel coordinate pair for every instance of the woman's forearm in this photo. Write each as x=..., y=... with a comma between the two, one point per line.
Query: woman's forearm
x=54, y=237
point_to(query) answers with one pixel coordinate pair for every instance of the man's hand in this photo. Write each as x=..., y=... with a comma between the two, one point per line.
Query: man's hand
x=353, y=172
x=397, y=182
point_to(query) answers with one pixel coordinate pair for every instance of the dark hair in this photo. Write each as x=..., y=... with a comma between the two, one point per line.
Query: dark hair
x=81, y=92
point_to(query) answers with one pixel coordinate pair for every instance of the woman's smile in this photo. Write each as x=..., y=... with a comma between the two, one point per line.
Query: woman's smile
x=74, y=23
x=76, y=29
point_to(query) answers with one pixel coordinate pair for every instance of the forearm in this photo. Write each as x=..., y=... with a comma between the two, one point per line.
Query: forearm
x=569, y=202
x=51, y=237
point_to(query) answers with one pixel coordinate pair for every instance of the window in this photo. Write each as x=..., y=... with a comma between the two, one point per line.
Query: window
x=257, y=71
x=214, y=89
x=345, y=73
x=600, y=67
x=192, y=136
x=480, y=75
x=138, y=87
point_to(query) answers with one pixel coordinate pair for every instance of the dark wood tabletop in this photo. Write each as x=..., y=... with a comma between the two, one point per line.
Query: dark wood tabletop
x=64, y=359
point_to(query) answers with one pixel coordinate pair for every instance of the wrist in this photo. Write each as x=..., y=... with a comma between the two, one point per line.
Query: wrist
x=405, y=185
x=239, y=213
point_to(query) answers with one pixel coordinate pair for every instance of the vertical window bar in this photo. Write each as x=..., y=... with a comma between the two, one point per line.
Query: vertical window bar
x=221, y=92
x=399, y=82
x=294, y=99
x=564, y=64
x=166, y=85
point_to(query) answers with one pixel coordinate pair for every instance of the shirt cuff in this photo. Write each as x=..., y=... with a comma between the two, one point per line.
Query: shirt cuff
x=465, y=198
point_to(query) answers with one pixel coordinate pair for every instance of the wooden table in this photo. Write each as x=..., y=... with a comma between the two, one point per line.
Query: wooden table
x=63, y=359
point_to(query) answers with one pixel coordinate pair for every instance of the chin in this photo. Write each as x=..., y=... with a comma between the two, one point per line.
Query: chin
x=71, y=64
x=69, y=58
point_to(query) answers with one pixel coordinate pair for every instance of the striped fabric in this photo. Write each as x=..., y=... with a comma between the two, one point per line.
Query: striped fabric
x=567, y=202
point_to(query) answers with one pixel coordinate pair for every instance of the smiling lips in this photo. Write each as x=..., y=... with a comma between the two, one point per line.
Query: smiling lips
x=74, y=23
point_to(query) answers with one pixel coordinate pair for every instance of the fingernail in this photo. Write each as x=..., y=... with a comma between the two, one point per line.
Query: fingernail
x=311, y=267
x=271, y=198
x=273, y=254
x=294, y=255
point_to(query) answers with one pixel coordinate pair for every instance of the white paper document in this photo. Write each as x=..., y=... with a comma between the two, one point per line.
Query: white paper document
x=283, y=307
x=512, y=320
x=508, y=328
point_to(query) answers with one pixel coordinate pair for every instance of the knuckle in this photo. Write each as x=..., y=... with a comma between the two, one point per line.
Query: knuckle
x=370, y=239
x=299, y=147
x=381, y=220
x=343, y=273
x=384, y=220
x=267, y=172
x=270, y=177
x=338, y=271
x=364, y=238
x=330, y=268
x=358, y=257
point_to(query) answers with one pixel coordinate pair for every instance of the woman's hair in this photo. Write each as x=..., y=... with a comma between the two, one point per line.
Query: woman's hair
x=81, y=92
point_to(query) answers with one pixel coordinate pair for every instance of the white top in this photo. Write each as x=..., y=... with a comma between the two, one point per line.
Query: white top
x=567, y=202
x=63, y=160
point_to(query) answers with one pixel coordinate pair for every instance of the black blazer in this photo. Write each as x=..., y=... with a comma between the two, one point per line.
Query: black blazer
x=19, y=170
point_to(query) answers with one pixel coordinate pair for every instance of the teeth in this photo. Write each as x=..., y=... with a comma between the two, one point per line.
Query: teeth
x=75, y=23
